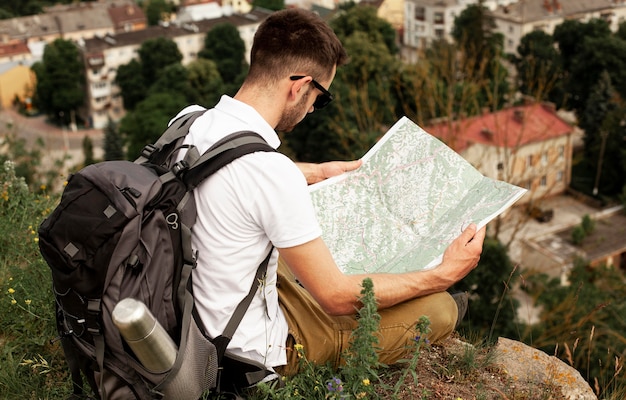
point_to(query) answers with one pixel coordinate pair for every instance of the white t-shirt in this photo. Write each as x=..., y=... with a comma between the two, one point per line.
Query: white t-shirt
x=258, y=199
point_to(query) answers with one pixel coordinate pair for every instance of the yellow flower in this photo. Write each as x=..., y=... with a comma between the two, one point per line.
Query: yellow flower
x=299, y=349
x=13, y=301
x=36, y=240
x=11, y=290
x=42, y=187
x=28, y=301
x=366, y=382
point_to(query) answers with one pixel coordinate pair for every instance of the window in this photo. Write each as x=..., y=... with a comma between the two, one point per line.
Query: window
x=439, y=33
x=500, y=166
x=544, y=158
x=439, y=18
x=529, y=161
x=420, y=13
x=544, y=181
x=559, y=176
x=561, y=152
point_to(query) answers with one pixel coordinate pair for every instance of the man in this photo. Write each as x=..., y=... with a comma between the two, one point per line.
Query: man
x=261, y=200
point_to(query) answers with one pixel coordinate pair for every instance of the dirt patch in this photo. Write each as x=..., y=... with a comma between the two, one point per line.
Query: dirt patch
x=455, y=370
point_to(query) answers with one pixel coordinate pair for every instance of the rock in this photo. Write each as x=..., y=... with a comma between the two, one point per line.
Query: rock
x=522, y=362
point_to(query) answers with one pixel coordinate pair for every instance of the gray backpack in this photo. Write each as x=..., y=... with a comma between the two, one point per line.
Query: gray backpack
x=122, y=230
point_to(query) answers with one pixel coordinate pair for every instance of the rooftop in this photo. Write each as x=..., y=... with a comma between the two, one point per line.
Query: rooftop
x=607, y=238
x=529, y=11
x=509, y=128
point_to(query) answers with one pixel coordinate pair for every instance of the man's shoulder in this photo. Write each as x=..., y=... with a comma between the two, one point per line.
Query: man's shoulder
x=187, y=110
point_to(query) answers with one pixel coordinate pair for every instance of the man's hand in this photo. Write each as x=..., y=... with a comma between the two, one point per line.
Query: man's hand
x=318, y=172
x=463, y=254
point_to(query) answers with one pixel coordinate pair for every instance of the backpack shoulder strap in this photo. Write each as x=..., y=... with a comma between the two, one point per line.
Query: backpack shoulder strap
x=178, y=129
x=222, y=153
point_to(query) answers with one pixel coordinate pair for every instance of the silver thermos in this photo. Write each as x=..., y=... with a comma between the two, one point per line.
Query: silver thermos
x=154, y=348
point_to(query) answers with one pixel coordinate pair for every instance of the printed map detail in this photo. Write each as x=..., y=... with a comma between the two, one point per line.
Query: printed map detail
x=410, y=199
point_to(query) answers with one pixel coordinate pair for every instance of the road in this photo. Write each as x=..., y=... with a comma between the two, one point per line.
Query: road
x=58, y=143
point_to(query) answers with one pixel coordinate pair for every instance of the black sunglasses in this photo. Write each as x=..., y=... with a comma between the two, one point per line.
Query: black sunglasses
x=323, y=99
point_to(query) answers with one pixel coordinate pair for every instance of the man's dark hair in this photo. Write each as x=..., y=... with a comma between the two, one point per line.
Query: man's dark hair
x=294, y=40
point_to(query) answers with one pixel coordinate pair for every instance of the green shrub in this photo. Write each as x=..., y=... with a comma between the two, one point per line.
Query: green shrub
x=31, y=366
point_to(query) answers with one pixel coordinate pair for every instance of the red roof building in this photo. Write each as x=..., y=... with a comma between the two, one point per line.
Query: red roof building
x=529, y=146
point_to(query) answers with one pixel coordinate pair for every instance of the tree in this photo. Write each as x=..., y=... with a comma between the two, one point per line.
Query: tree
x=571, y=34
x=149, y=119
x=205, y=82
x=473, y=31
x=88, y=151
x=363, y=19
x=603, y=121
x=60, y=81
x=155, y=55
x=131, y=83
x=571, y=38
x=538, y=67
x=224, y=46
x=596, y=56
x=113, y=142
x=156, y=10
x=173, y=79
x=273, y=5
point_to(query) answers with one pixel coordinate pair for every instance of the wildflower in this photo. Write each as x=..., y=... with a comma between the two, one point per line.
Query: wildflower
x=5, y=195
x=28, y=301
x=13, y=301
x=36, y=240
x=334, y=385
x=11, y=290
x=418, y=338
x=299, y=349
x=366, y=382
x=42, y=187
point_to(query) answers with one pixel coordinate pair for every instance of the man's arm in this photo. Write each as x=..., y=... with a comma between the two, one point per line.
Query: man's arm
x=318, y=172
x=338, y=293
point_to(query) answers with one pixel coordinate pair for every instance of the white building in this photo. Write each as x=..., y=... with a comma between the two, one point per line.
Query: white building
x=518, y=19
x=426, y=21
x=103, y=55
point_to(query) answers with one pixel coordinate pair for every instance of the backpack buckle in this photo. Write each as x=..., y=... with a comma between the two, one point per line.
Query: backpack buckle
x=180, y=167
x=148, y=150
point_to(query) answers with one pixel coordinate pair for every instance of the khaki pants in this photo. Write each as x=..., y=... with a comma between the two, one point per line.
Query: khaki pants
x=325, y=337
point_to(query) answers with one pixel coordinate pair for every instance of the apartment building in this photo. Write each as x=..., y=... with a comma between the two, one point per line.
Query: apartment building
x=518, y=19
x=529, y=146
x=104, y=54
x=426, y=21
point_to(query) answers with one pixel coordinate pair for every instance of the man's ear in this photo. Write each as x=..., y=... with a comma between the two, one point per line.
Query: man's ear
x=298, y=89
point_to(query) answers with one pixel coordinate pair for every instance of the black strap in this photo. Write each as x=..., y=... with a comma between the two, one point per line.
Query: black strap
x=176, y=130
x=221, y=342
x=222, y=153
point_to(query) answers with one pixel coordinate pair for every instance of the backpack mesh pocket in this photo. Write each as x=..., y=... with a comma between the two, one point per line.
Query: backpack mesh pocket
x=198, y=371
